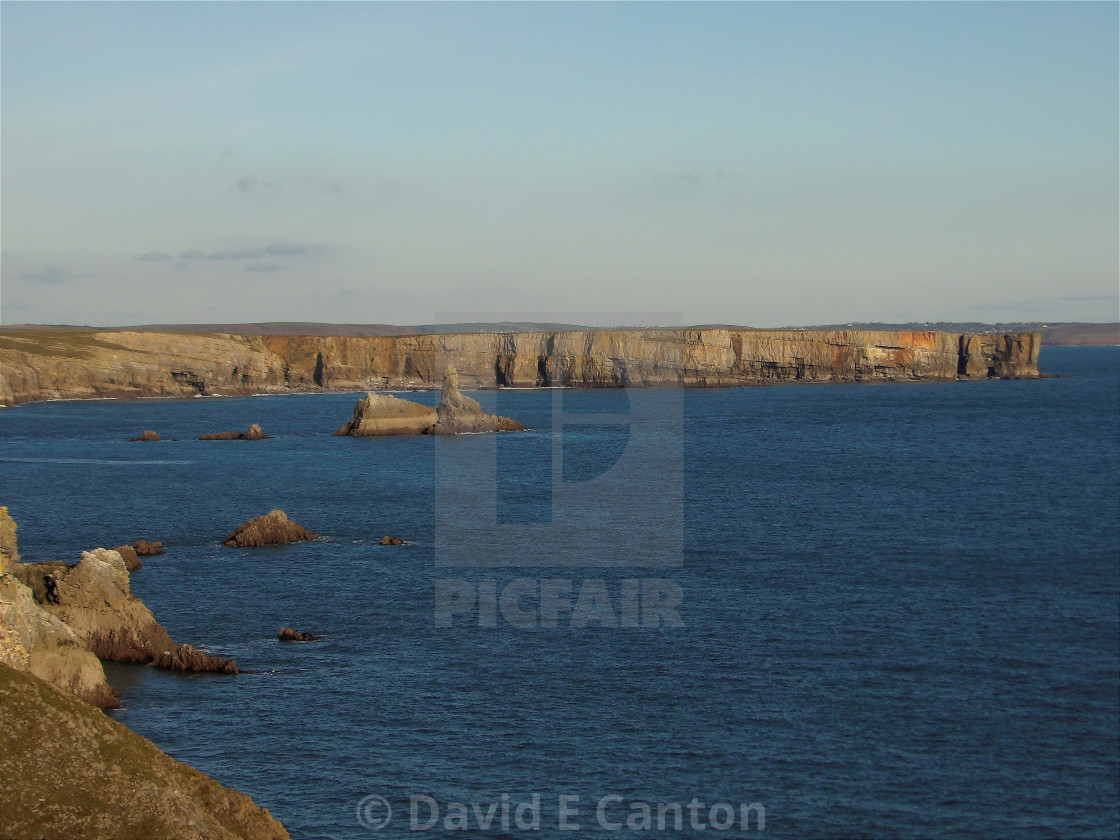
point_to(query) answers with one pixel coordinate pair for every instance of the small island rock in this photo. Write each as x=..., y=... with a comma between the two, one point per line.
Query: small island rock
x=147, y=435
x=273, y=528
x=287, y=634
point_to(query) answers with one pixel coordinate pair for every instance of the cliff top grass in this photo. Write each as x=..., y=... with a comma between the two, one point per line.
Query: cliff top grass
x=71, y=771
x=57, y=343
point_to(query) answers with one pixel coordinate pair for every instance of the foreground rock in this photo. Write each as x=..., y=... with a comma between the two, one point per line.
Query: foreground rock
x=70, y=771
x=457, y=414
x=274, y=528
x=287, y=634
x=252, y=433
x=376, y=415
x=33, y=640
x=148, y=435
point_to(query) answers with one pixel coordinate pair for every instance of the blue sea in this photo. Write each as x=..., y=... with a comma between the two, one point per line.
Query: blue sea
x=882, y=610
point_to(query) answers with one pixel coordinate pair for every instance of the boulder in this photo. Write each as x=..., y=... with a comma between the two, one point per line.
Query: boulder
x=380, y=414
x=147, y=435
x=458, y=414
x=287, y=634
x=187, y=658
x=130, y=556
x=387, y=540
x=143, y=548
x=252, y=433
x=272, y=528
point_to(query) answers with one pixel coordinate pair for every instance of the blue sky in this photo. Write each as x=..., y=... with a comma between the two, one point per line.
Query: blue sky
x=750, y=163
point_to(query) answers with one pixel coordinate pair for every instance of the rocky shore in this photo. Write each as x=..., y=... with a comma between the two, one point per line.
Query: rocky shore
x=81, y=364
x=58, y=622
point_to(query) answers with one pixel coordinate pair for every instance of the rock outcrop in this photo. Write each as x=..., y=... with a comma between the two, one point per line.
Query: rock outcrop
x=387, y=540
x=9, y=555
x=146, y=436
x=377, y=415
x=75, y=364
x=274, y=528
x=130, y=557
x=457, y=414
x=252, y=433
x=187, y=658
x=287, y=634
x=70, y=771
x=34, y=640
x=144, y=548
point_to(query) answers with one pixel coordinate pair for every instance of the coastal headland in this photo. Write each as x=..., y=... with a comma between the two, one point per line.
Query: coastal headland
x=43, y=364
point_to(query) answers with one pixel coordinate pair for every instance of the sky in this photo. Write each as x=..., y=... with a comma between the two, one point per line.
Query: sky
x=760, y=164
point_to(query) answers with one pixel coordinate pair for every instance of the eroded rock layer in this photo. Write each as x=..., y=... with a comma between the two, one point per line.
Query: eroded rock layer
x=74, y=364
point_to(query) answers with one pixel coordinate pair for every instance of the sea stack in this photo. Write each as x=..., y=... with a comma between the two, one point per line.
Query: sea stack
x=458, y=414
x=274, y=528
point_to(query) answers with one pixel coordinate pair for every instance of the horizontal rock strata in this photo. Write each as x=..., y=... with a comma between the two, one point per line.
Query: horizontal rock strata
x=74, y=364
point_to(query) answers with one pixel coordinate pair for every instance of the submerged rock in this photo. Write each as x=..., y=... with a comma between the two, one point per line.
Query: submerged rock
x=458, y=414
x=187, y=658
x=252, y=433
x=387, y=540
x=147, y=435
x=273, y=528
x=287, y=634
x=377, y=415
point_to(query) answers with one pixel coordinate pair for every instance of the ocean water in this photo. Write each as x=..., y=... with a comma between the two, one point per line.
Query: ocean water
x=900, y=609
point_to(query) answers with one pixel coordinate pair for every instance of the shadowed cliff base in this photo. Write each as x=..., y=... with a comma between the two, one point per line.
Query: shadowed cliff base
x=77, y=364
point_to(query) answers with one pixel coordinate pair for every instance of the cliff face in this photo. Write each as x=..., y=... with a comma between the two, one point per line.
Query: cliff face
x=74, y=364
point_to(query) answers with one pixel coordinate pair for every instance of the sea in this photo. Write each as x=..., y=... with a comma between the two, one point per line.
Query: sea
x=837, y=611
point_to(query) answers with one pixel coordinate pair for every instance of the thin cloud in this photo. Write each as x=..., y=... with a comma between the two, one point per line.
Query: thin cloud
x=266, y=268
x=277, y=249
x=52, y=275
x=154, y=256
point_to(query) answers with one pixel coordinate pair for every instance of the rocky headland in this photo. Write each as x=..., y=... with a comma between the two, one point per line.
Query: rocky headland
x=38, y=364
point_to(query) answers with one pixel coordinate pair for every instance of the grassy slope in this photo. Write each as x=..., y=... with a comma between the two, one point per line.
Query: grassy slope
x=67, y=770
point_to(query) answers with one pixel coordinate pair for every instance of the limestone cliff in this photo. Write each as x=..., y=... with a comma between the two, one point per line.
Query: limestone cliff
x=74, y=364
x=70, y=771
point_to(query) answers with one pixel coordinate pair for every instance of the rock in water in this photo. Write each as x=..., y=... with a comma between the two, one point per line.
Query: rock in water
x=72, y=771
x=387, y=540
x=252, y=433
x=148, y=549
x=147, y=435
x=287, y=634
x=458, y=414
x=187, y=658
x=380, y=414
x=272, y=528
